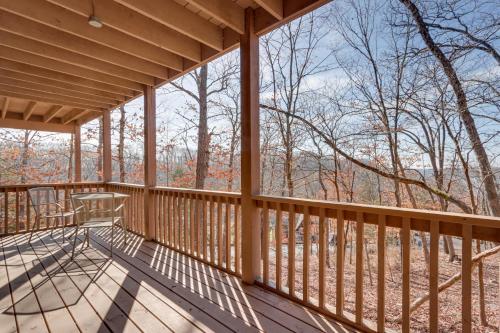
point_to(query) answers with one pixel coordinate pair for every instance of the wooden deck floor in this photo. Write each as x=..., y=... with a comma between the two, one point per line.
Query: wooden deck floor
x=144, y=287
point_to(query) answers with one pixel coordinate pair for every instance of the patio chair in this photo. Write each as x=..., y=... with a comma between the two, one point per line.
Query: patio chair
x=89, y=215
x=46, y=206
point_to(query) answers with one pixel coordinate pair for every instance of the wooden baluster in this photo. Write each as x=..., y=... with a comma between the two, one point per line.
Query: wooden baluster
x=28, y=211
x=180, y=220
x=228, y=234
x=192, y=205
x=212, y=231
x=305, y=254
x=291, y=250
x=279, y=235
x=6, y=211
x=434, y=278
x=466, y=278
x=405, y=233
x=164, y=210
x=340, y=263
x=381, y=274
x=265, y=243
x=360, y=238
x=135, y=209
x=199, y=227
x=219, y=232
x=237, y=235
x=192, y=225
x=17, y=210
x=322, y=258
x=155, y=216
x=159, y=196
x=174, y=221
x=170, y=210
x=205, y=224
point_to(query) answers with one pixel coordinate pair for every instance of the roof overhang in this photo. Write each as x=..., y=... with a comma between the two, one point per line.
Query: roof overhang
x=58, y=72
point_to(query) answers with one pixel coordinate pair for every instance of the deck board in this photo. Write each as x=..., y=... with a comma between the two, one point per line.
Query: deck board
x=144, y=287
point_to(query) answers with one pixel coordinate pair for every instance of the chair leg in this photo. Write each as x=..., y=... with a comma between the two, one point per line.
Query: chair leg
x=64, y=235
x=124, y=230
x=51, y=229
x=112, y=239
x=74, y=243
x=87, y=237
x=32, y=229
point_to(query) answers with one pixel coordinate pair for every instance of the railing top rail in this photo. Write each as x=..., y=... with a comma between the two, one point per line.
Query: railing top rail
x=181, y=190
x=201, y=192
x=125, y=185
x=421, y=214
x=55, y=185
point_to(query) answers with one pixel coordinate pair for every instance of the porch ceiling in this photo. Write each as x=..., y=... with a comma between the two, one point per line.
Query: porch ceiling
x=58, y=72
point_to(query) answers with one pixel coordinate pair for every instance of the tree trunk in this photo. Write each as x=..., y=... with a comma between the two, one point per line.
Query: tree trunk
x=203, y=153
x=463, y=109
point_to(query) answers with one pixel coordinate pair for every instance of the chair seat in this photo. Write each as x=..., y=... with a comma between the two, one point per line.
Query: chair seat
x=100, y=222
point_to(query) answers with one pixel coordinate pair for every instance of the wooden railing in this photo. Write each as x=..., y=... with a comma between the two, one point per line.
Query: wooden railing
x=291, y=275
x=207, y=226
x=134, y=207
x=16, y=213
x=203, y=224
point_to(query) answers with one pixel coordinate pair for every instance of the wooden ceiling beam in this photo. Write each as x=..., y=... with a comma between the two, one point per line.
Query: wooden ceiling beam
x=72, y=58
x=292, y=9
x=29, y=110
x=70, y=99
x=43, y=99
x=61, y=19
x=225, y=11
x=179, y=18
x=88, y=117
x=36, y=31
x=54, y=65
x=75, y=80
x=54, y=90
x=35, y=123
x=5, y=106
x=89, y=93
x=136, y=25
x=273, y=7
x=52, y=113
x=73, y=115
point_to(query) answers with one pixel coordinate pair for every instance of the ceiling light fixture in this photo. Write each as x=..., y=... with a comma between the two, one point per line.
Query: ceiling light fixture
x=93, y=19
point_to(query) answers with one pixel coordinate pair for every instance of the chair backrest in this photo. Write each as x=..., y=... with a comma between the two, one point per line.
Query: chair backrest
x=43, y=199
x=87, y=205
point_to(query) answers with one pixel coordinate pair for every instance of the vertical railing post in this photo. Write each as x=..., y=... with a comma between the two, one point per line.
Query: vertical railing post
x=77, y=143
x=106, y=147
x=250, y=151
x=149, y=158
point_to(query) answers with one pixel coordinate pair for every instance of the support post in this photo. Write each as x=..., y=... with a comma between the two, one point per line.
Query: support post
x=250, y=151
x=149, y=158
x=106, y=147
x=77, y=151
